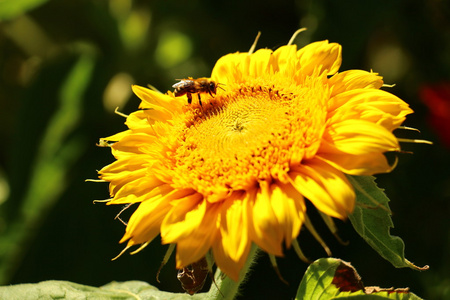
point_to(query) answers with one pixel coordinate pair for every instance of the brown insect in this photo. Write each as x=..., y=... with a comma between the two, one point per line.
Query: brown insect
x=193, y=277
x=197, y=86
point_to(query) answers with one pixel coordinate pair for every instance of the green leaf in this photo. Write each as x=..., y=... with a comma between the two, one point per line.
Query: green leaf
x=12, y=8
x=372, y=220
x=130, y=290
x=331, y=278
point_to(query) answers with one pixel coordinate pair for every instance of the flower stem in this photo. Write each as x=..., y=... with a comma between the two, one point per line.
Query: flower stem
x=225, y=288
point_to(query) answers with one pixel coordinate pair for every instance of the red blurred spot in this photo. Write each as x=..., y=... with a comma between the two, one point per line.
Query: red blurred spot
x=437, y=99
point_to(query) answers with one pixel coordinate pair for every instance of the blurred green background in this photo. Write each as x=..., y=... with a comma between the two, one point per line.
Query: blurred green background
x=66, y=65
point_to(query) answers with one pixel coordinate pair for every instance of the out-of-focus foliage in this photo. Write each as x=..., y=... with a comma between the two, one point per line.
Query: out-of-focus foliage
x=10, y=9
x=66, y=65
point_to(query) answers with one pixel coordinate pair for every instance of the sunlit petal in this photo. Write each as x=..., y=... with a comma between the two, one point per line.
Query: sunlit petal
x=361, y=137
x=323, y=55
x=326, y=187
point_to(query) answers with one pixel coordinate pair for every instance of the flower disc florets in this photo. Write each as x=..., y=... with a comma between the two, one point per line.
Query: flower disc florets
x=254, y=133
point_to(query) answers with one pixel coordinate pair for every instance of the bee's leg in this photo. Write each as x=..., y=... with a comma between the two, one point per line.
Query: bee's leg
x=200, y=100
x=189, y=98
x=210, y=102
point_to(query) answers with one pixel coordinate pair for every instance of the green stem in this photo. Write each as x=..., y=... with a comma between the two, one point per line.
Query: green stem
x=226, y=288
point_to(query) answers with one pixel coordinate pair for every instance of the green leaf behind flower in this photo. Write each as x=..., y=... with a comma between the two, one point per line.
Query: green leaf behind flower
x=372, y=220
x=129, y=290
x=331, y=278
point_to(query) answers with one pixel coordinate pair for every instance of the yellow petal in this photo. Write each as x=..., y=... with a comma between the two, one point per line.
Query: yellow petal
x=354, y=79
x=289, y=208
x=140, y=190
x=321, y=55
x=189, y=251
x=117, y=137
x=229, y=68
x=376, y=106
x=326, y=187
x=234, y=227
x=129, y=171
x=258, y=63
x=229, y=266
x=165, y=104
x=135, y=143
x=122, y=169
x=144, y=120
x=285, y=58
x=138, y=121
x=145, y=223
x=183, y=219
x=147, y=219
x=194, y=247
x=360, y=137
x=363, y=164
x=264, y=230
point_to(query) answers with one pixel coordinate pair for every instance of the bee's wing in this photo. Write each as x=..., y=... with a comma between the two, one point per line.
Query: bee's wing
x=183, y=82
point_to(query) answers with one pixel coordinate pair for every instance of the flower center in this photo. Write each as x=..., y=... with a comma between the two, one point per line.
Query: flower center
x=253, y=132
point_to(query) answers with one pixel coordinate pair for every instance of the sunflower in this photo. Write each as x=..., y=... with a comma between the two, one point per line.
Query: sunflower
x=286, y=127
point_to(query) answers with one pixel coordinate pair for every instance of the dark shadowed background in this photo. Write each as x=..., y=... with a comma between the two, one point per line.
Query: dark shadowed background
x=66, y=65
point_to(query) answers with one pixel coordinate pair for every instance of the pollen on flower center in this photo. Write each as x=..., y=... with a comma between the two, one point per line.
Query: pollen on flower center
x=254, y=132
